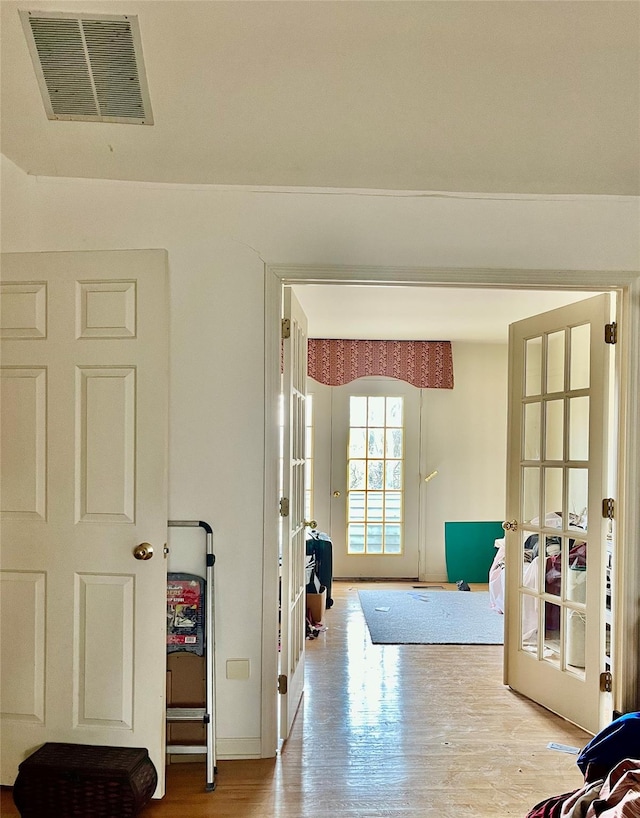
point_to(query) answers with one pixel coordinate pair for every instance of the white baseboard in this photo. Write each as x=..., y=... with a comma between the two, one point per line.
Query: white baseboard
x=238, y=748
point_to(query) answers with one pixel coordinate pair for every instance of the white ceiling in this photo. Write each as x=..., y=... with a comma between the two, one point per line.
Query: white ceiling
x=510, y=97
x=490, y=97
x=422, y=313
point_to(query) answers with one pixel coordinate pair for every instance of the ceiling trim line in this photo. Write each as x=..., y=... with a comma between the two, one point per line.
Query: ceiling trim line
x=331, y=191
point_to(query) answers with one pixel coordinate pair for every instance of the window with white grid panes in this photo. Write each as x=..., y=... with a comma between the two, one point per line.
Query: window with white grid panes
x=375, y=476
x=308, y=466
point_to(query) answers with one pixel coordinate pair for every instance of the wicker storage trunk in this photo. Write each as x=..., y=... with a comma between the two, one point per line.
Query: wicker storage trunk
x=84, y=781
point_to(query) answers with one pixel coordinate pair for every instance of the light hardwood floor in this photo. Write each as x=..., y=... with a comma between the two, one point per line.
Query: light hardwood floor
x=390, y=732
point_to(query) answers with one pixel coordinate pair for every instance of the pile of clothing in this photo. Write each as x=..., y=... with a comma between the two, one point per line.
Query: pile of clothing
x=610, y=764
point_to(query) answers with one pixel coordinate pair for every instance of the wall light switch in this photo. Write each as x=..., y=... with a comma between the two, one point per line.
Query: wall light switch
x=238, y=668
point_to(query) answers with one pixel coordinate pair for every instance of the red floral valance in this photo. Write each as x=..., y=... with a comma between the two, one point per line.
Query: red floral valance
x=426, y=364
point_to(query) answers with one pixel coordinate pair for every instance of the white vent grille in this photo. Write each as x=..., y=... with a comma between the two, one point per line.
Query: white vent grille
x=89, y=67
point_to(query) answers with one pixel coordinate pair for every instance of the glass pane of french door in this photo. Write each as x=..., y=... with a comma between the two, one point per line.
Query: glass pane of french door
x=553, y=507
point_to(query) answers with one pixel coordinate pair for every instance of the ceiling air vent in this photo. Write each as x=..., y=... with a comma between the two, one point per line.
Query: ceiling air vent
x=89, y=66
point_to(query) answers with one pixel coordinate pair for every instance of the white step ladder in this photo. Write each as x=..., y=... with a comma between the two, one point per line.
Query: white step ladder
x=204, y=715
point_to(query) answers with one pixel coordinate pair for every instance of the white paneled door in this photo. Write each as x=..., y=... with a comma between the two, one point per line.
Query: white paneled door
x=292, y=591
x=83, y=490
x=558, y=544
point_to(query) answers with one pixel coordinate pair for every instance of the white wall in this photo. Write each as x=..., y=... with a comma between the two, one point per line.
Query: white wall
x=321, y=453
x=216, y=401
x=217, y=241
x=466, y=441
x=15, y=213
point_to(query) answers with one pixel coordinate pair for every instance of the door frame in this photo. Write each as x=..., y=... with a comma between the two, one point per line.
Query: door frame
x=625, y=283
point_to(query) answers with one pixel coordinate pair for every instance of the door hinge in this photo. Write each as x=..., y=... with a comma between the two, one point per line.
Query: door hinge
x=286, y=328
x=611, y=333
x=284, y=507
x=606, y=682
x=282, y=684
x=608, y=508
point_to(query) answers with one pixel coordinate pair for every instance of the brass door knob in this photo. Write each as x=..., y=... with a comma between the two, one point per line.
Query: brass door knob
x=311, y=523
x=510, y=525
x=144, y=551
x=336, y=494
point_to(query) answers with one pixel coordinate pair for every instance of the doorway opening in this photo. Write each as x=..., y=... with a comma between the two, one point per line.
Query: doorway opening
x=498, y=280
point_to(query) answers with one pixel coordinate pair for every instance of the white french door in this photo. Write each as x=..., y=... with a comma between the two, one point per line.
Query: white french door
x=292, y=590
x=558, y=545
x=375, y=478
x=84, y=483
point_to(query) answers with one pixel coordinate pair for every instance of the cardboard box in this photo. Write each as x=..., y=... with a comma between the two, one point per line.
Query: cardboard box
x=316, y=605
x=186, y=688
x=186, y=680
